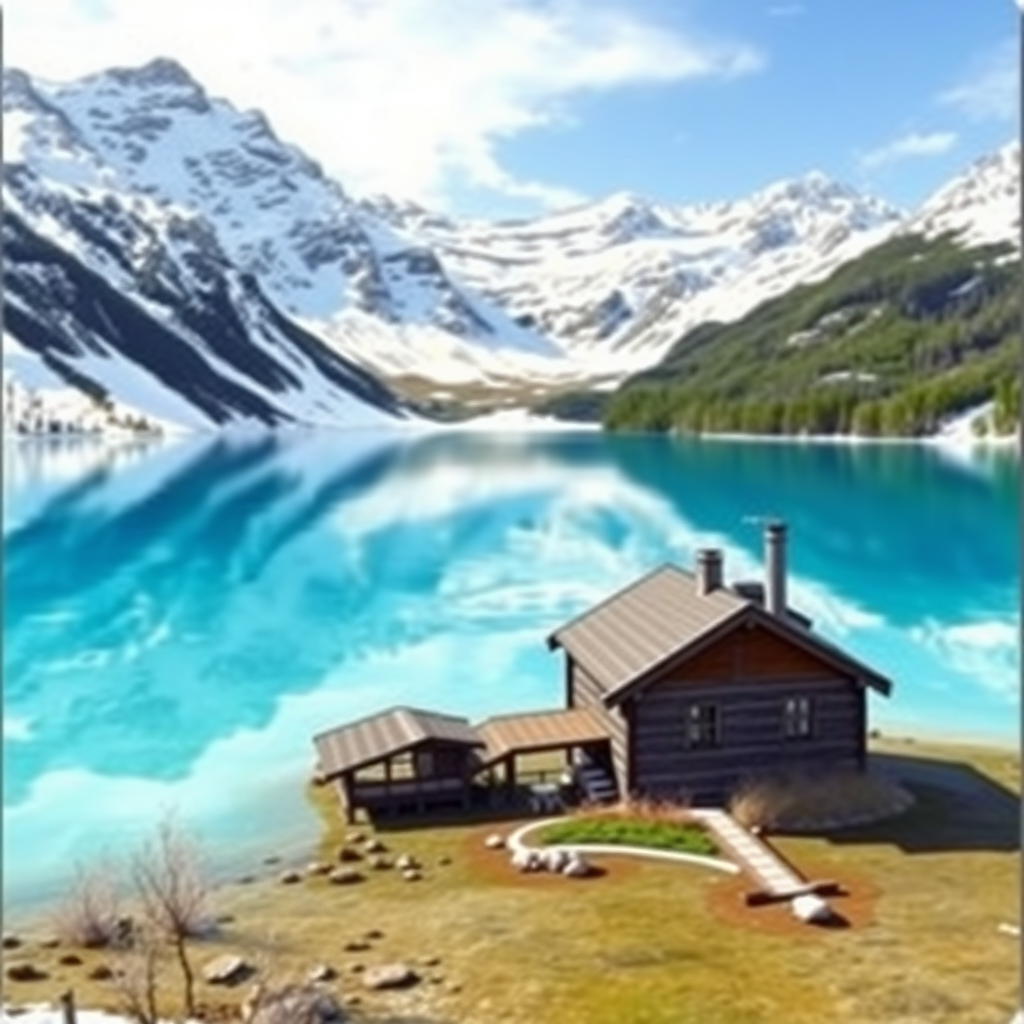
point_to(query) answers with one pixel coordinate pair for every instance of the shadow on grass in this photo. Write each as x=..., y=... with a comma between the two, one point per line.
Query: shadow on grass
x=498, y=817
x=957, y=809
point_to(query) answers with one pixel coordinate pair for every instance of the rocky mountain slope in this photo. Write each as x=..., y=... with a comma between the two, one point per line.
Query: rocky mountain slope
x=206, y=271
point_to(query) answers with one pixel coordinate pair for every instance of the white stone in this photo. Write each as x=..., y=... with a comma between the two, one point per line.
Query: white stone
x=522, y=859
x=555, y=859
x=576, y=867
x=494, y=842
x=811, y=909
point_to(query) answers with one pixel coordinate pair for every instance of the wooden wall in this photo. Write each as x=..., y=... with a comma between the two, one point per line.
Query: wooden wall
x=586, y=692
x=749, y=676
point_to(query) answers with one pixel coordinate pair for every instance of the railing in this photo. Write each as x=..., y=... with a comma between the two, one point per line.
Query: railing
x=410, y=787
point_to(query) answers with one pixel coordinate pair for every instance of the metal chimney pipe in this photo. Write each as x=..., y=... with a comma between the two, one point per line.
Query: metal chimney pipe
x=775, y=568
x=709, y=571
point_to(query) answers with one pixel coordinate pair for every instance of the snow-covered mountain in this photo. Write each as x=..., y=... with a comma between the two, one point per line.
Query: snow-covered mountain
x=178, y=256
x=980, y=206
x=615, y=283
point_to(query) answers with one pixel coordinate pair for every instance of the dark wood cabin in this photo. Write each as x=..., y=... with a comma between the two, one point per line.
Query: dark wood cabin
x=402, y=761
x=701, y=686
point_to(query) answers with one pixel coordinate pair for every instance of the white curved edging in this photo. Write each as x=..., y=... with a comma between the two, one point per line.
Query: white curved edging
x=515, y=844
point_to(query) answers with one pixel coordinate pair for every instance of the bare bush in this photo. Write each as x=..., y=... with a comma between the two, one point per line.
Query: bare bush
x=640, y=809
x=136, y=976
x=90, y=912
x=802, y=802
x=174, y=895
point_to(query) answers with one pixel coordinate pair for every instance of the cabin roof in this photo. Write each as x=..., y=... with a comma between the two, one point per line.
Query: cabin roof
x=358, y=744
x=662, y=616
x=538, y=731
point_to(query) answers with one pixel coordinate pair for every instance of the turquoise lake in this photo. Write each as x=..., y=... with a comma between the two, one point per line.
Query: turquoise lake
x=181, y=617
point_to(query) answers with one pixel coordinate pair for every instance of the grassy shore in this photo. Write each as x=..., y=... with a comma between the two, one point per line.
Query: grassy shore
x=653, y=943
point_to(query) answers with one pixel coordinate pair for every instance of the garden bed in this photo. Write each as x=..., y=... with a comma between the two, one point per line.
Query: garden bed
x=613, y=830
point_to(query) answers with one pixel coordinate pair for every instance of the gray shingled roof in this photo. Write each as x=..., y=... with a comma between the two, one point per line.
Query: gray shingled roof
x=660, y=615
x=358, y=744
x=635, y=629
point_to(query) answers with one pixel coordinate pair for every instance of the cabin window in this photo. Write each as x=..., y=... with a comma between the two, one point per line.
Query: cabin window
x=702, y=726
x=797, y=718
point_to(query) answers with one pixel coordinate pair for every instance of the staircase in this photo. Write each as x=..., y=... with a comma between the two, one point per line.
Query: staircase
x=596, y=785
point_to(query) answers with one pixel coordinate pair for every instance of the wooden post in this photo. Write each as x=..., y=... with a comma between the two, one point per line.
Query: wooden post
x=67, y=1007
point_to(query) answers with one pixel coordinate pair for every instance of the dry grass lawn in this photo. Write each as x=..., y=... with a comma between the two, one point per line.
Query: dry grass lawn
x=650, y=943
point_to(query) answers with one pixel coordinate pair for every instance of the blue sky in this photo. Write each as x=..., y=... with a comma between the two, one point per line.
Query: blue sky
x=842, y=84
x=505, y=107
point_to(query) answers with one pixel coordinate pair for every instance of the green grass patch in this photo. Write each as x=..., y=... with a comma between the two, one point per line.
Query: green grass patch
x=653, y=835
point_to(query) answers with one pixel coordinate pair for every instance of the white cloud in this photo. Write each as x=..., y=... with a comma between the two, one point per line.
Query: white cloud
x=907, y=147
x=410, y=97
x=987, y=653
x=786, y=10
x=991, y=89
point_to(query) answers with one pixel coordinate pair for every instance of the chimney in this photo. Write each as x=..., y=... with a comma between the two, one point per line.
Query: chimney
x=775, y=568
x=709, y=571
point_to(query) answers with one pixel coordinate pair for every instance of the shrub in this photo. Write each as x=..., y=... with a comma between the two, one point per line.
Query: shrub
x=802, y=802
x=88, y=915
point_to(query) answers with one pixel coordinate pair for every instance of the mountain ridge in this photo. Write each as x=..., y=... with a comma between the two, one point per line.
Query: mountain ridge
x=588, y=294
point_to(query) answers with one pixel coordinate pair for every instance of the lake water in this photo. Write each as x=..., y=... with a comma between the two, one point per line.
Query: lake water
x=180, y=618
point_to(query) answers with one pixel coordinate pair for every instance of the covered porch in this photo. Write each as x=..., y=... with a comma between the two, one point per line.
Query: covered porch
x=403, y=762
x=514, y=746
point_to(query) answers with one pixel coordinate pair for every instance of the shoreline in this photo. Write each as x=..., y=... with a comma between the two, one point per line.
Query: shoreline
x=263, y=865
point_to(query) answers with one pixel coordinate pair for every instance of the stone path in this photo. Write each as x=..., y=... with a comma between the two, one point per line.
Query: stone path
x=774, y=876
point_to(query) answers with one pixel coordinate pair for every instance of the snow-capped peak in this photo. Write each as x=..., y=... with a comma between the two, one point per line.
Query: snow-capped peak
x=980, y=206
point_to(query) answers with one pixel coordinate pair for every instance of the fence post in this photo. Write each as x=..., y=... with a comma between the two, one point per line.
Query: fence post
x=67, y=1006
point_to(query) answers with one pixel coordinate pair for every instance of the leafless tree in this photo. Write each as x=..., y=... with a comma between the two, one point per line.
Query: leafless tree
x=174, y=895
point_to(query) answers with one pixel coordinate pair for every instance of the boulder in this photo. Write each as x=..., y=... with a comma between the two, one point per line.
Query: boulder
x=374, y=846
x=811, y=909
x=494, y=842
x=576, y=867
x=374, y=935
x=50, y=943
x=355, y=838
x=305, y=1003
x=347, y=855
x=101, y=972
x=444, y=861
x=407, y=863
x=25, y=972
x=389, y=976
x=356, y=947
x=289, y=877
x=225, y=970
x=317, y=868
x=321, y=972
x=379, y=863
x=555, y=859
x=411, y=875
x=525, y=860
x=70, y=960
x=11, y=942
x=344, y=876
